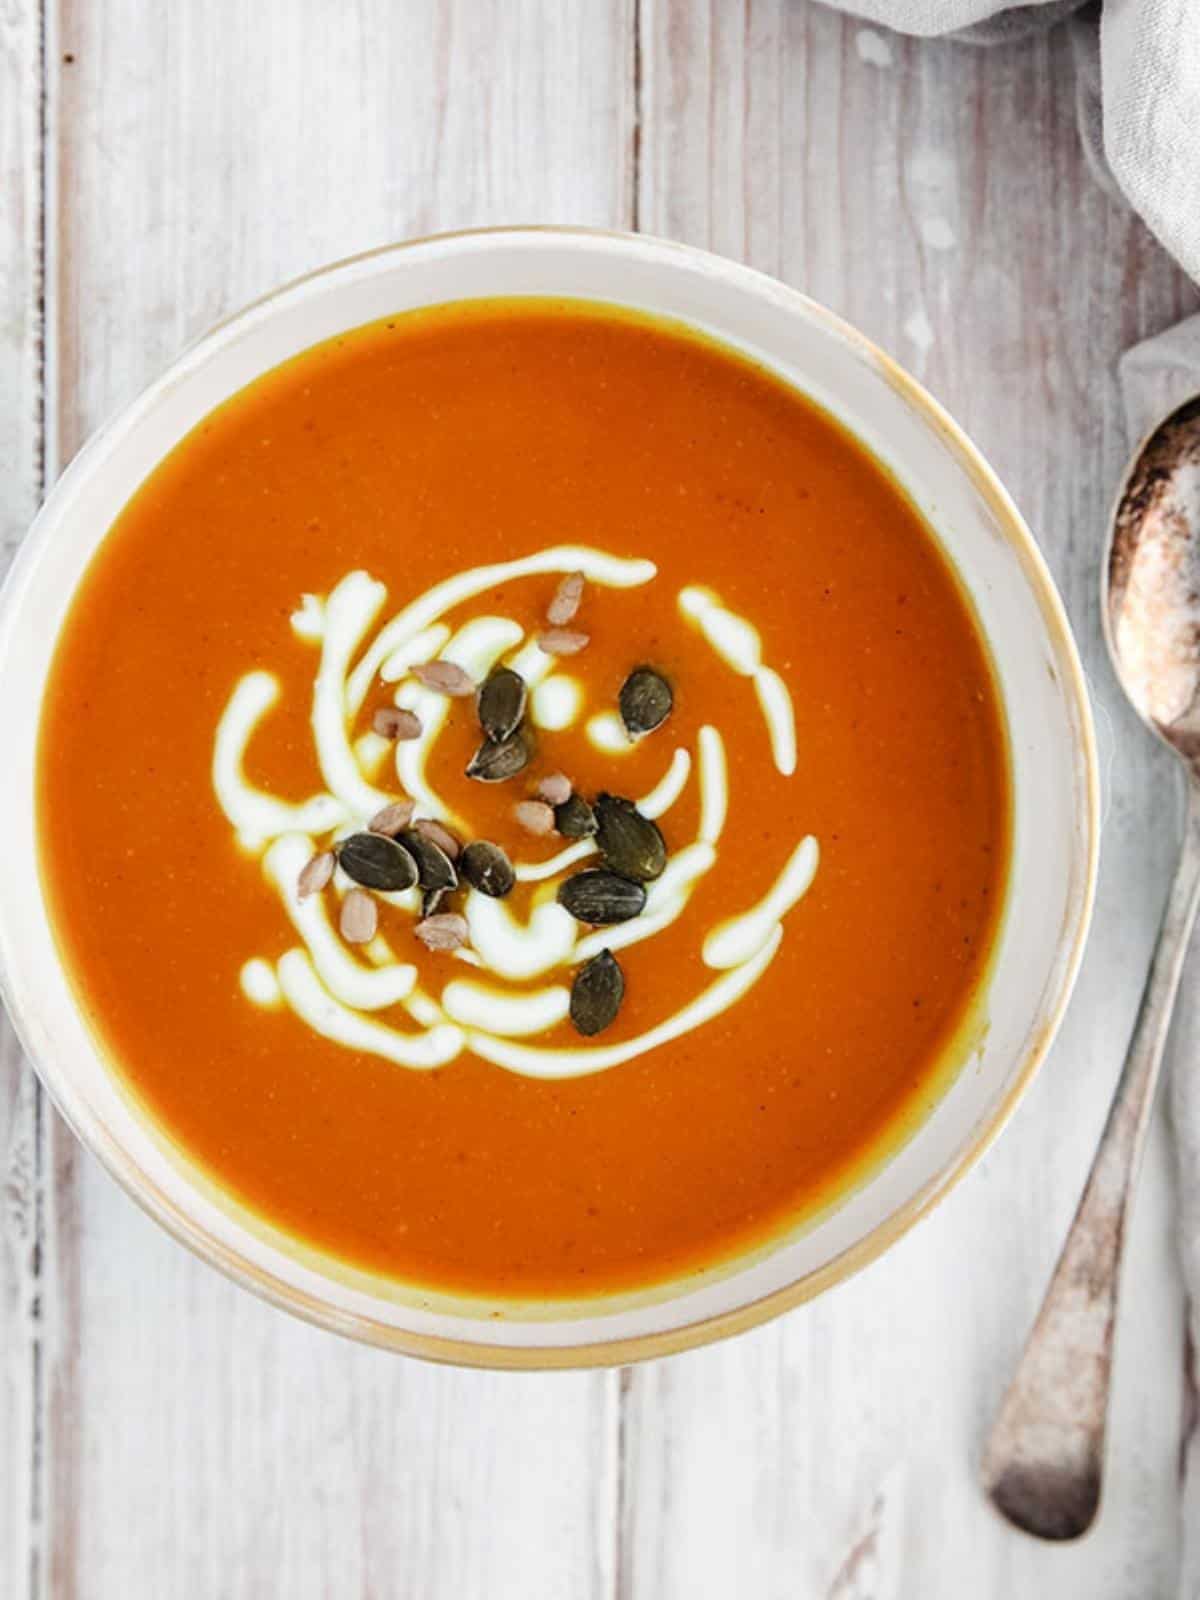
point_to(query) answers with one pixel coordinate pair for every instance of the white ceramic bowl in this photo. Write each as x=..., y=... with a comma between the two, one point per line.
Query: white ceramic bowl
x=1054, y=773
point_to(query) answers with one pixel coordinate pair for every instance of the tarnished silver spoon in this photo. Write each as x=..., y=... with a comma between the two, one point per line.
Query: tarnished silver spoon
x=1044, y=1461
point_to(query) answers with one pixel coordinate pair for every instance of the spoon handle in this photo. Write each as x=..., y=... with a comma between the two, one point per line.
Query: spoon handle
x=1043, y=1462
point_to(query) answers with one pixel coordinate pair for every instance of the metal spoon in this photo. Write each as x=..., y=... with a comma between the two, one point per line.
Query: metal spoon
x=1044, y=1461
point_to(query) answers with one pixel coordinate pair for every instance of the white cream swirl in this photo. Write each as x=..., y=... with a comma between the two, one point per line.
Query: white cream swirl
x=357, y=998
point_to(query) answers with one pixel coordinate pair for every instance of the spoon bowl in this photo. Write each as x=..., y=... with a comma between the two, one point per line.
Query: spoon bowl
x=1151, y=584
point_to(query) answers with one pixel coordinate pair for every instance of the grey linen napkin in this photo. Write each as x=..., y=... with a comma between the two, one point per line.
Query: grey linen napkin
x=1137, y=88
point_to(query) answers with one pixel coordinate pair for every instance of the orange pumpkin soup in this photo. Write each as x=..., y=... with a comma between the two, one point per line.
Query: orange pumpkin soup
x=675, y=656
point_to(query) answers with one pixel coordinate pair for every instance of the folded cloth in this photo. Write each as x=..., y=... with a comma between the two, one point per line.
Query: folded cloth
x=1137, y=87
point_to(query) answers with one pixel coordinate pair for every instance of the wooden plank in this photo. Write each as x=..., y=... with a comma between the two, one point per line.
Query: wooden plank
x=204, y=1444
x=25, y=1291
x=937, y=197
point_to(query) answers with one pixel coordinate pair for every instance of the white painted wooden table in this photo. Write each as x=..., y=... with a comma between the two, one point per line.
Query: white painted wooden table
x=163, y=1434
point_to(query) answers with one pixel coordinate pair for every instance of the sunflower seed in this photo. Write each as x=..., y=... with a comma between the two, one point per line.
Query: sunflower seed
x=501, y=703
x=566, y=600
x=535, y=816
x=393, y=722
x=432, y=901
x=316, y=874
x=392, y=819
x=499, y=759
x=444, y=677
x=359, y=917
x=435, y=870
x=629, y=842
x=555, y=789
x=438, y=835
x=601, y=898
x=596, y=994
x=575, y=819
x=445, y=931
x=645, y=700
x=376, y=861
x=486, y=868
x=562, y=641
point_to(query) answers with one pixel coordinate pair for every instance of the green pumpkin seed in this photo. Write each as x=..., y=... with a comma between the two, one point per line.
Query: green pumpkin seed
x=600, y=898
x=376, y=861
x=596, y=994
x=486, y=868
x=645, y=701
x=574, y=818
x=435, y=870
x=629, y=842
x=496, y=760
x=501, y=703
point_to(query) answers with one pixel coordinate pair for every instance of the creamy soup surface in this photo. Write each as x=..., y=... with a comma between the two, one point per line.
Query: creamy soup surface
x=721, y=627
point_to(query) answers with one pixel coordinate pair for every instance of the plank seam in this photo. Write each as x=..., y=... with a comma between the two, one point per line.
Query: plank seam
x=635, y=214
x=38, y=1572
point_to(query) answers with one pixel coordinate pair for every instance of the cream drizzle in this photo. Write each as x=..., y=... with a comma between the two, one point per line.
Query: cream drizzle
x=739, y=645
x=655, y=804
x=476, y=647
x=611, y=572
x=496, y=1011
x=314, y=1004
x=539, y=871
x=741, y=937
x=349, y=612
x=519, y=950
x=555, y=703
x=608, y=733
x=327, y=985
x=526, y=949
x=665, y=902
x=538, y=1062
x=364, y=988
x=256, y=816
x=714, y=784
x=259, y=982
x=668, y=788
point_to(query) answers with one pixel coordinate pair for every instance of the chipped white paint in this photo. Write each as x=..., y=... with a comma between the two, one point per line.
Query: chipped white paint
x=918, y=328
x=938, y=234
x=872, y=47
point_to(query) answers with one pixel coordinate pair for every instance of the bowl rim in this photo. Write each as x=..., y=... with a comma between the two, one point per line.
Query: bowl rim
x=273, y=1287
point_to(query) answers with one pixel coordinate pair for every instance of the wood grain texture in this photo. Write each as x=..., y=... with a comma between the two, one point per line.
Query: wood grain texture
x=937, y=197
x=25, y=1186
x=203, y=1444
x=163, y=1433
